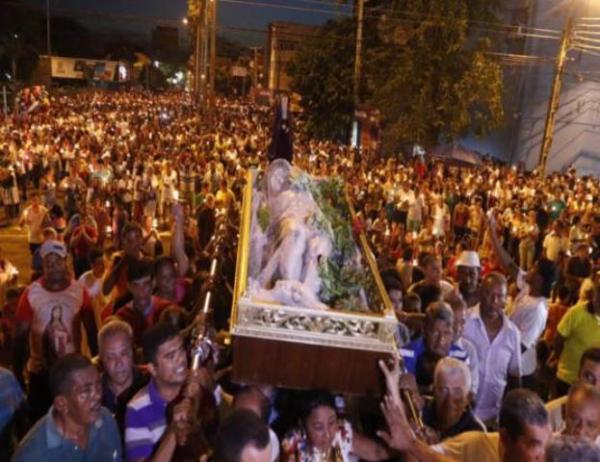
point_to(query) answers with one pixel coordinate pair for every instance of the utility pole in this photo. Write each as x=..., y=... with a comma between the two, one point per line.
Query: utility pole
x=197, y=61
x=255, y=65
x=204, y=54
x=565, y=44
x=360, y=7
x=213, y=55
x=48, y=43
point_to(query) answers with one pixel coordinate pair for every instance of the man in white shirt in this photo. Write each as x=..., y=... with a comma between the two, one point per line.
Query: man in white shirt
x=529, y=312
x=498, y=343
x=432, y=270
x=556, y=242
x=34, y=218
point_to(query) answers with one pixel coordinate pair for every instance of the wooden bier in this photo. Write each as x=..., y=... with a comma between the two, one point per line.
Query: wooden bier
x=303, y=348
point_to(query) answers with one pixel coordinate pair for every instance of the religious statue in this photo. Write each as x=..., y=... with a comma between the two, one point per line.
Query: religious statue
x=292, y=245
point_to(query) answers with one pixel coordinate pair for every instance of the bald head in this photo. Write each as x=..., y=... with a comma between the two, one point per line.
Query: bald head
x=582, y=412
x=493, y=279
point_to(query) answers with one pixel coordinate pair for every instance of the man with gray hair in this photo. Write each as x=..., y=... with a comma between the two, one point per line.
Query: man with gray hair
x=421, y=355
x=450, y=414
x=582, y=412
x=121, y=377
x=570, y=448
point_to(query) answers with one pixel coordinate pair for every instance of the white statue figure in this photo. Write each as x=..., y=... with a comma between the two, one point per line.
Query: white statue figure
x=285, y=292
x=295, y=246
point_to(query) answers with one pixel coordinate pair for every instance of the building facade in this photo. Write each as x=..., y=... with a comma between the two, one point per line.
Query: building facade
x=283, y=41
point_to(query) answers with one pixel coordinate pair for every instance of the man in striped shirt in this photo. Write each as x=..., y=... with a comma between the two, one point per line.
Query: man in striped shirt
x=150, y=435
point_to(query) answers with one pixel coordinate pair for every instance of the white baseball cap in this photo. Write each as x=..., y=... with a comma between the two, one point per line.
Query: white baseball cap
x=53, y=246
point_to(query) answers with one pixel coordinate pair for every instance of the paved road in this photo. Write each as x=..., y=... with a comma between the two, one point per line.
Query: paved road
x=13, y=241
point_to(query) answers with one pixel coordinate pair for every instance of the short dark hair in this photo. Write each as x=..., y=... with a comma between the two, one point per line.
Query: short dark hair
x=139, y=269
x=391, y=282
x=241, y=429
x=563, y=292
x=439, y=311
x=428, y=260
x=429, y=293
x=413, y=299
x=163, y=260
x=265, y=404
x=155, y=336
x=423, y=258
x=314, y=399
x=129, y=227
x=94, y=254
x=547, y=271
x=521, y=407
x=62, y=372
x=591, y=354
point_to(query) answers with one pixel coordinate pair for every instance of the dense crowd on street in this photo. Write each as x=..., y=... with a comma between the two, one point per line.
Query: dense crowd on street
x=127, y=198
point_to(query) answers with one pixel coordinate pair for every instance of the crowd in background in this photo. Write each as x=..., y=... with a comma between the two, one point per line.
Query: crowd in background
x=492, y=272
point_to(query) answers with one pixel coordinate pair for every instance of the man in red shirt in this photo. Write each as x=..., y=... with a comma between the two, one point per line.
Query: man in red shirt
x=49, y=316
x=144, y=310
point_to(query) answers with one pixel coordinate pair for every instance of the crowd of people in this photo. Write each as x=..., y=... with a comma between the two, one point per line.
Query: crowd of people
x=127, y=197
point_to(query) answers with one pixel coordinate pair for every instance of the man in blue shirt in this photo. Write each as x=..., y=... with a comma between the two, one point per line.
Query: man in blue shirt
x=76, y=428
x=12, y=412
x=421, y=355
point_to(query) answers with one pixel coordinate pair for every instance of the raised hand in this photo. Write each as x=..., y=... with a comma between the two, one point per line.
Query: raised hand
x=391, y=371
x=400, y=435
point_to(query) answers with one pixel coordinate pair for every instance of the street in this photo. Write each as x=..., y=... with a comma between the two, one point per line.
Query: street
x=13, y=241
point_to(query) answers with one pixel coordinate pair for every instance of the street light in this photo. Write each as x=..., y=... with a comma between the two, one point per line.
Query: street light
x=184, y=21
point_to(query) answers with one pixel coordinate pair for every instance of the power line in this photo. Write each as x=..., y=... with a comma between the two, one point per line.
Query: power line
x=494, y=28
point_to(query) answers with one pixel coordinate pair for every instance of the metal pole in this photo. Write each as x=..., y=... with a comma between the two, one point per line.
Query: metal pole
x=197, y=61
x=565, y=43
x=48, y=43
x=48, y=28
x=4, y=100
x=204, y=62
x=360, y=7
x=213, y=53
x=255, y=67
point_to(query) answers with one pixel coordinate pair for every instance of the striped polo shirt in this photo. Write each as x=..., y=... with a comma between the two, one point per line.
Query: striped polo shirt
x=412, y=352
x=145, y=422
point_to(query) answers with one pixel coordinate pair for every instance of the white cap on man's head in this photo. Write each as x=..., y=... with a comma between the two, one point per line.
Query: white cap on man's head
x=468, y=258
x=52, y=246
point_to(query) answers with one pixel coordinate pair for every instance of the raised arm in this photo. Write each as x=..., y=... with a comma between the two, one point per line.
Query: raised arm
x=183, y=262
x=505, y=259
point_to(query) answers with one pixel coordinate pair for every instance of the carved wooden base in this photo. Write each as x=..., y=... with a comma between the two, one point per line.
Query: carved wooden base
x=302, y=366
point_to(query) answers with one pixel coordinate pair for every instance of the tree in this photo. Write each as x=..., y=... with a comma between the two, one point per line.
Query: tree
x=424, y=68
x=439, y=82
x=322, y=74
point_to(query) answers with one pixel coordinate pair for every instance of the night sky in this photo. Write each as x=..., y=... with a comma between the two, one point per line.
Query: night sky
x=230, y=14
